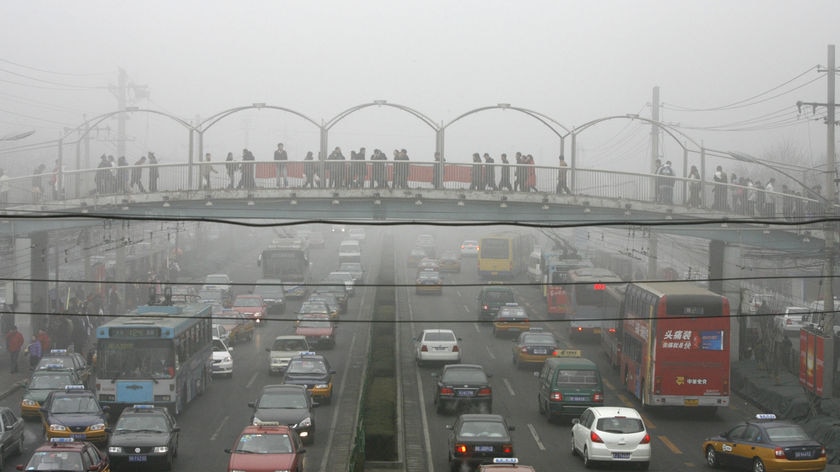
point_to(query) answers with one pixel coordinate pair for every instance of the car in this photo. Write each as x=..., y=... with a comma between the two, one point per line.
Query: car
x=338, y=290
x=273, y=294
x=329, y=300
x=315, y=306
x=510, y=464
x=66, y=454
x=283, y=349
x=611, y=434
x=252, y=306
x=415, y=256
x=450, y=261
x=469, y=248
x=286, y=404
x=533, y=347
x=358, y=234
x=338, y=228
x=437, y=345
x=312, y=370
x=463, y=386
x=765, y=444
x=214, y=296
x=344, y=277
x=568, y=384
x=221, y=282
x=491, y=297
x=428, y=263
x=792, y=320
x=428, y=281
x=222, y=358
x=11, y=434
x=239, y=327
x=510, y=319
x=266, y=447
x=427, y=243
x=220, y=332
x=50, y=378
x=68, y=359
x=354, y=268
x=476, y=439
x=319, y=330
x=316, y=240
x=74, y=413
x=349, y=250
x=145, y=436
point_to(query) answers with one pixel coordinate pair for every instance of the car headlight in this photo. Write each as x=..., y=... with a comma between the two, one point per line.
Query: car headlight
x=28, y=402
x=325, y=337
x=256, y=421
x=321, y=385
x=97, y=427
x=226, y=359
x=58, y=427
x=305, y=423
x=115, y=450
x=161, y=449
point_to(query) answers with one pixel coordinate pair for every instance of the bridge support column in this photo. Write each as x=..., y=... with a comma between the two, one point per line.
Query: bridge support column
x=723, y=279
x=39, y=275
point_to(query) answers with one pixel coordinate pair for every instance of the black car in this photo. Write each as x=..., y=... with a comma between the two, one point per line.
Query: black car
x=464, y=386
x=492, y=297
x=144, y=436
x=286, y=404
x=312, y=371
x=338, y=289
x=74, y=413
x=273, y=294
x=478, y=439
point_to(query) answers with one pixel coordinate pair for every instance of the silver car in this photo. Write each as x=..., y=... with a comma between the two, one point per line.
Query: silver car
x=11, y=434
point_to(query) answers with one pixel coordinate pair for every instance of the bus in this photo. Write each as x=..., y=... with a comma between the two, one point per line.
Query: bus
x=156, y=354
x=287, y=259
x=589, y=301
x=555, y=276
x=675, y=345
x=504, y=255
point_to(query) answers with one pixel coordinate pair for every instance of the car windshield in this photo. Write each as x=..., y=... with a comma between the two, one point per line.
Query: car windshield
x=216, y=280
x=483, y=429
x=314, y=324
x=293, y=400
x=264, y=444
x=576, y=377
x=313, y=308
x=50, y=381
x=539, y=339
x=289, y=345
x=464, y=375
x=306, y=367
x=439, y=336
x=787, y=433
x=247, y=301
x=497, y=296
x=620, y=425
x=142, y=422
x=428, y=276
x=74, y=404
x=51, y=460
x=219, y=346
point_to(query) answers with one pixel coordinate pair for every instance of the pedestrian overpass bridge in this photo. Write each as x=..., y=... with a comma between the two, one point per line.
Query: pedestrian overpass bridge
x=598, y=198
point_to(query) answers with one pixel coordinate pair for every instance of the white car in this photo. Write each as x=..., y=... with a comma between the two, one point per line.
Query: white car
x=469, y=247
x=358, y=234
x=222, y=358
x=794, y=318
x=346, y=278
x=611, y=434
x=217, y=282
x=437, y=345
x=283, y=349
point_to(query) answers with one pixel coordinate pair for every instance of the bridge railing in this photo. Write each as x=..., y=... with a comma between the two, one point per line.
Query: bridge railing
x=49, y=188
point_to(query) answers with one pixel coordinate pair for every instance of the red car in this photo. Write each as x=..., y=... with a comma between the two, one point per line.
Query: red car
x=267, y=447
x=318, y=329
x=252, y=306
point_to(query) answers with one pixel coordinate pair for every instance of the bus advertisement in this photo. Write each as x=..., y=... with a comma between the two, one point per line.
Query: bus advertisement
x=287, y=259
x=555, y=276
x=504, y=255
x=589, y=300
x=675, y=345
x=157, y=355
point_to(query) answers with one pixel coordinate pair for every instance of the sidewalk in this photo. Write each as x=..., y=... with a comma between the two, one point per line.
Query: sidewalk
x=11, y=383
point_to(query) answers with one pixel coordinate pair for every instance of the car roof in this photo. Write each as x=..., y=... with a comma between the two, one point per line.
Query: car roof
x=276, y=387
x=290, y=336
x=438, y=330
x=269, y=428
x=463, y=366
x=144, y=410
x=609, y=411
x=481, y=417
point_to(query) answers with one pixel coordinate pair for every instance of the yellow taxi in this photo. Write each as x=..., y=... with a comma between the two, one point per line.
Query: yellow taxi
x=47, y=379
x=74, y=413
x=509, y=464
x=450, y=261
x=534, y=347
x=312, y=370
x=764, y=444
x=510, y=319
x=428, y=281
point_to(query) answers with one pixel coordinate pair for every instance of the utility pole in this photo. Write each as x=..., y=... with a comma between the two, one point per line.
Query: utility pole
x=654, y=127
x=830, y=232
x=121, y=92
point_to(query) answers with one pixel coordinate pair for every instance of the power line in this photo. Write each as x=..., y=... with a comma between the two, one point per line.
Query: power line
x=51, y=71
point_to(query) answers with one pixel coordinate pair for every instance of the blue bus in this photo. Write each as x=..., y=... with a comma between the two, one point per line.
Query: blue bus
x=156, y=354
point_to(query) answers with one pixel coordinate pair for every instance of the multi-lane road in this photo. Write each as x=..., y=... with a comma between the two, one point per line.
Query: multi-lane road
x=211, y=423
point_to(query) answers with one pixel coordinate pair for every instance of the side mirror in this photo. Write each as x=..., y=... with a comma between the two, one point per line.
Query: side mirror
x=252, y=404
x=575, y=421
x=302, y=451
x=449, y=427
x=176, y=429
x=227, y=451
x=511, y=428
x=268, y=349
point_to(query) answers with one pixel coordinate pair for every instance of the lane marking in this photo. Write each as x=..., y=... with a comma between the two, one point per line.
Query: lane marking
x=426, y=435
x=477, y=328
x=673, y=447
x=509, y=387
x=251, y=382
x=219, y=429
x=536, y=437
x=458, y=292
x=489, y=352
x=337, y=411
x=466, y=309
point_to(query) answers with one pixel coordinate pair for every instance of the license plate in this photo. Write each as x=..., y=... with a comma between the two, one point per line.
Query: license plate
x=691, y=402
x=540, y=351
x=578, y=399
x=484, y=449
x=465, y=393
x=440, y=348
x=78, y=436
x=621, y=455
x=802, y=455
x=596, y=330
x=136, y=458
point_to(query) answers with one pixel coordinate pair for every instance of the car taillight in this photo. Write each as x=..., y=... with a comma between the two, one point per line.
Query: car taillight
x=657, y=385
x=485, y=307
x=524, y=350
x=646, y=439
x=725, y=389
x=485, y=391
x=556, y=397
x=779, y=453
x=424, y=348
x=446, y=391
x=593, y=436
x=822, y=452
x=455, y=348
x=460, y=449
x=598, y=397
x=507, y=449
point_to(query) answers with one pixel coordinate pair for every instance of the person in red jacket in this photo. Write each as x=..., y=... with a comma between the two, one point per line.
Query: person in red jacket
x=44, y=339
x=14, y=343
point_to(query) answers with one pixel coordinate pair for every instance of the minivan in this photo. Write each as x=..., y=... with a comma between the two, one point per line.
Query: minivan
x=492, y=297
x=568, y=386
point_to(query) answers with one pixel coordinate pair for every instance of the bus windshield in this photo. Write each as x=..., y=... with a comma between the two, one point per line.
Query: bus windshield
x=495, y=248
x=284, y=264
x=135, y=359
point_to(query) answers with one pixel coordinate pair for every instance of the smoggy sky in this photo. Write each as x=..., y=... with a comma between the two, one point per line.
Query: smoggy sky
x=571, y=61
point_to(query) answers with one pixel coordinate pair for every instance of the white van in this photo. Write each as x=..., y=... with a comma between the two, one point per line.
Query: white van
x=349, y=251
x=535, y=266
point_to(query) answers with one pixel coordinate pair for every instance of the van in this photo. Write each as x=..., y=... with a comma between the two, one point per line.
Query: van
x=568, y=385
x=535, y=273
x=492, y=297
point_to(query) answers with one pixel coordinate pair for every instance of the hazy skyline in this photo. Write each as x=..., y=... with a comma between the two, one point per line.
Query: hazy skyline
x=572, y=61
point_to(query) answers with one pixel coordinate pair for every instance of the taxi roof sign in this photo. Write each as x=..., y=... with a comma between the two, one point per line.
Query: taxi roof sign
x=567, y=353
x=58, y=351
x=68, y=388
x=143, y=407
x=765, y=416
x=505, y=460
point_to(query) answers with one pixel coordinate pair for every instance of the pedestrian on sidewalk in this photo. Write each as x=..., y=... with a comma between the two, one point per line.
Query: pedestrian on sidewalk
x=45, y=341
x=14, y=343
x=34, y=351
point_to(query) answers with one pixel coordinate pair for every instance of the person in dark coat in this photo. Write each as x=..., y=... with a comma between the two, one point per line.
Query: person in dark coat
x=154, y=173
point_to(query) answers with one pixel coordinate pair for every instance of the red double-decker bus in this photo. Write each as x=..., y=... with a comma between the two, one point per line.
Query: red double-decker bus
x=675, y=344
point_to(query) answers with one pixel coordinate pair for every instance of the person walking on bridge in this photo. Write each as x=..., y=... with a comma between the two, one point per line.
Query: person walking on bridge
x=230, y=167
x=207, y=169
x=561, y=177
x=489, y=172
x=504, y=182
x=137, y=174
x=281, y=157
x=154, y=172
x=309, y=170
